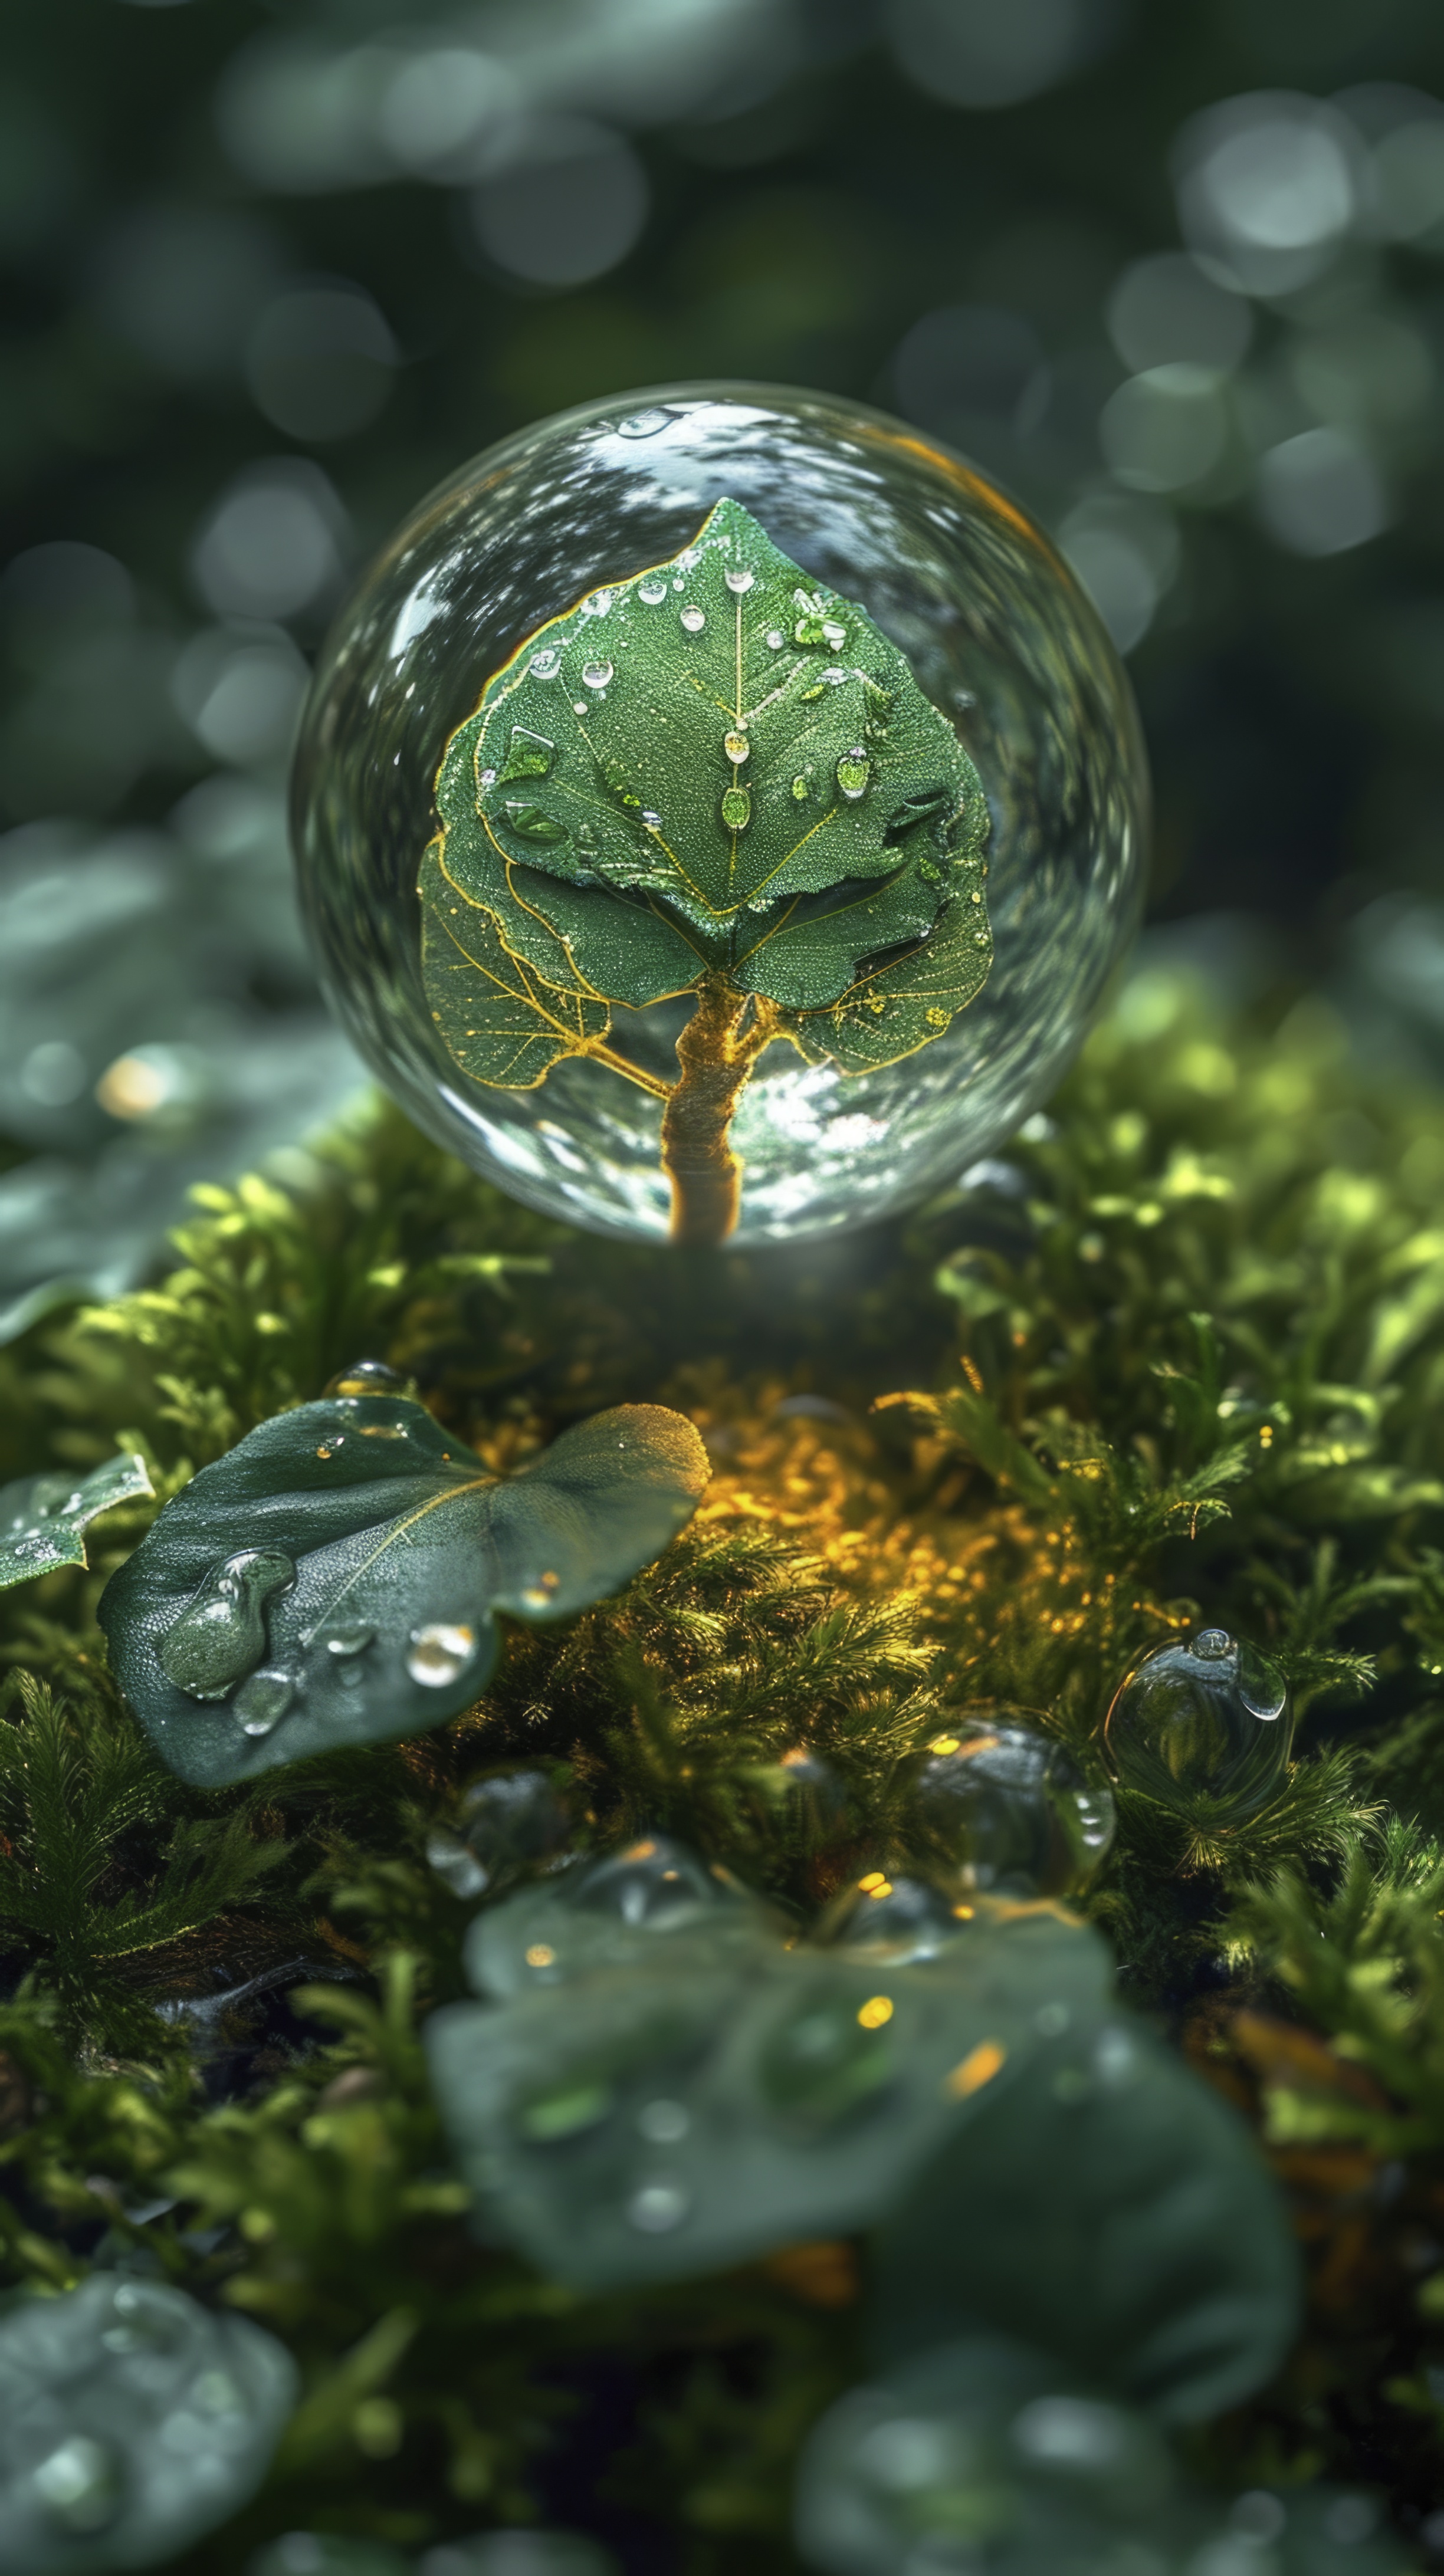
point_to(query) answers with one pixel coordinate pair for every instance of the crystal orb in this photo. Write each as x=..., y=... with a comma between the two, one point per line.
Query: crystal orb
x=765, y=985
x=1012, y=1809
x=1210, y=1716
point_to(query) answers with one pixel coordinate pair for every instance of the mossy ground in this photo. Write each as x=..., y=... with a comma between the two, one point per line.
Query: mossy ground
x=1183, y=1355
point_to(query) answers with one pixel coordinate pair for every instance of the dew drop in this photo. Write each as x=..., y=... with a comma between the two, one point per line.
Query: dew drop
x=541, y=1594
x=835, y=677
x=528, y=755
x=595, y=675
x=487, y=778
x=439, y=1654
x=599, y=605
x=579, y=706
x=545, y=664
x=800, y=789
x=650, y=819
x=737, y=809
x=854, y=769
x=350, y=1640
x=81, y=2484
x=662, y=2123
x=221, y=1633
x=694, y=619
x=532, y=823
x=738, y=578
x=642, y=424
x=652, y=591
x=368, y=1377
x=737, y=747
x=775, y=639
x=262, y=1701
x=657, y=2208
x=833, y=635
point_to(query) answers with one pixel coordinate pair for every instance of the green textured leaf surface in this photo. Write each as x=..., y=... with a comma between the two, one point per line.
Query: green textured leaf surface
x=810, y=2086
x=1126, y=2176
x=764, y=790
x=343, y=1564
x=42, y=1518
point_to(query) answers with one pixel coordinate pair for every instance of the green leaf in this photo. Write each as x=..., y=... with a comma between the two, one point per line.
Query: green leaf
x=1131, y=2229
x=334, y=1579
x=42, y=1517
x=711, y=766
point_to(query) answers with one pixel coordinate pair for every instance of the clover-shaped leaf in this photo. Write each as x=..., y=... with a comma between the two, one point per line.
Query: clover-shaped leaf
x=42, y=1518
x=334, y=1580
x=712, y=778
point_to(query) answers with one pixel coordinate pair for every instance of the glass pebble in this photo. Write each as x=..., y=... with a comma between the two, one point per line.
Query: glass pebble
x=1207, y=1718
x=132, y=2420
x=877, y=517
x=1012, y=1810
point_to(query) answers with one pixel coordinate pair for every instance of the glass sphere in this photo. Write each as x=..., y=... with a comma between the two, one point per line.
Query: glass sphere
x=1012, y=1810
x=1006, y=722
x=1210, y=1717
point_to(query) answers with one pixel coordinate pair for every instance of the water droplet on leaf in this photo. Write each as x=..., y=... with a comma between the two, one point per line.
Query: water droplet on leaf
x=439, y=1653
x=738, y=579
x=737, y=809
x=81, y=2484
x=350, y=1640
x=854, y=770
x=737, y=746
x=652, y=591
x=663, y=2123
x=262, y=1701
x=800, y=789
x=694, y=619
x=833, y=634
x=221, y=1635
x=368, y=1377
x=595, y=675
x=545, y=664
x=530, y=823
x=529, y=755
x=650, y=818
x=808, y=630
x=775, y=639
x=657, y=2208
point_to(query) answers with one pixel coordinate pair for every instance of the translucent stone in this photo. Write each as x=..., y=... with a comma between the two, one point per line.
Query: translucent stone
x=610, y=1911
x=1012, y=1810
x=220, y=1635
x=1207, y=1718
x=984, y=2455
x=132, y=2421
x=999, y=638
x=505, y=1822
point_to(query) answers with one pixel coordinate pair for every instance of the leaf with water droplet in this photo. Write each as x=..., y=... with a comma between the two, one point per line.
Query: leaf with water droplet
x=802, y=2087
x=42, y=1518
x=795, y=899
x=132, y=2421
x=389, y=1548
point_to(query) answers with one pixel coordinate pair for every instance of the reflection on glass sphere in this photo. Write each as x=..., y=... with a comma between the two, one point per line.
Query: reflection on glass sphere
x=997, y=671
x=1211, y=1716
x=1013, y=1810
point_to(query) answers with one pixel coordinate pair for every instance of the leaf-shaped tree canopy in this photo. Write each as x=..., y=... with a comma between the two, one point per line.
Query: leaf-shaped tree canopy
x=334, y=1579
x=713, y=768
x=42, y=1518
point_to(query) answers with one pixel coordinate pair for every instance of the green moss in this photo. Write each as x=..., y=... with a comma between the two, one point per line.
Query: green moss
x=1185, y=1358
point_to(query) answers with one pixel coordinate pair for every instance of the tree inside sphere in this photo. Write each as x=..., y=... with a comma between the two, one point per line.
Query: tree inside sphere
x=717, y=813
